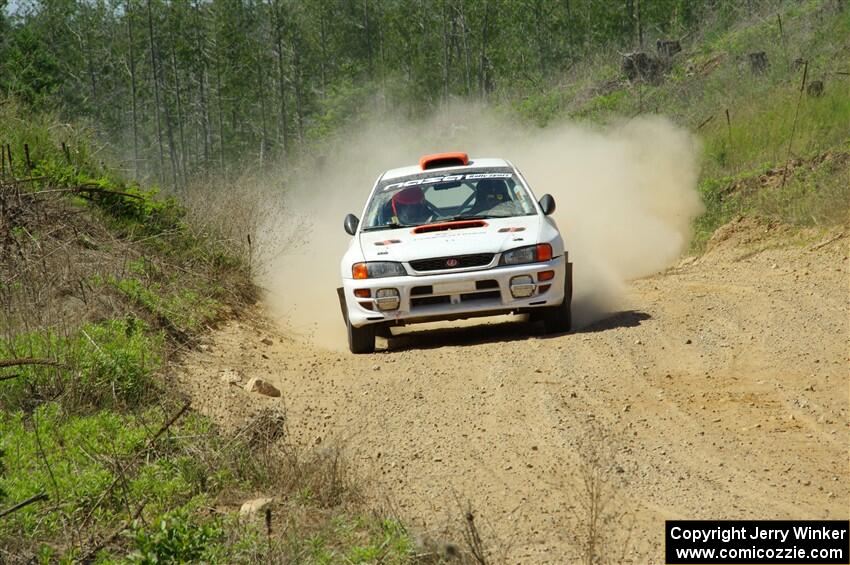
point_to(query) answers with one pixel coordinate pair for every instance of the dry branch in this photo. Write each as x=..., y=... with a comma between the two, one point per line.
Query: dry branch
x=90, y=554
x=31, y=361
x=79, y=189
x=827, y=242
x=37, y=498
x=168, y=424
x=108, y=490
x=705, y=121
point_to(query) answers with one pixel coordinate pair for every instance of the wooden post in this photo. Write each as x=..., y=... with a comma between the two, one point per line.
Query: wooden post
x=794, y=125
x=9, y=155
x=2, y=161
x=782, y=38
x=66, y=152
x=729, y=133
x=758, y=62
x=27, y=157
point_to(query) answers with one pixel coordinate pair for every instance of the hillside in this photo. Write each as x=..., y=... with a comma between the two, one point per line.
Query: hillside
x=104, y=287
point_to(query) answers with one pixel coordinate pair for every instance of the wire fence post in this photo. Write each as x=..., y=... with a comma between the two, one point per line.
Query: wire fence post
x=794, y=125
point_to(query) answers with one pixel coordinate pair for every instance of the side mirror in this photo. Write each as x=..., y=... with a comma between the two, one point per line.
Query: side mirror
x=350, y=224
x=547, y=204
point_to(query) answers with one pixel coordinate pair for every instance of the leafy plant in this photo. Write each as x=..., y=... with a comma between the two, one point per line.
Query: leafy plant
x=177, y=537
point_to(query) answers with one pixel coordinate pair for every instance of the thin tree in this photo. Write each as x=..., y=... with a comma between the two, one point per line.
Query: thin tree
x=182, y=157
x=283, y=135
x=155, y=92
x=128, y=15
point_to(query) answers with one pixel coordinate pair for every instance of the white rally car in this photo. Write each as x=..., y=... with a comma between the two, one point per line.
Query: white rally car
x=452, y=238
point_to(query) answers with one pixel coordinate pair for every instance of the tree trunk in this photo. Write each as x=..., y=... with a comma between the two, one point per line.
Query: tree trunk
x=464, y=30
x=262, y=88
x=156, y=92
x=220, y=117
x=639, y=25
x=282, y=126
x=323, y=41
x=482, y=57
x=202, y=91
x=299, y=103
x=132, y=67
x=445, y=53
x=368, y=32
x=180, y=117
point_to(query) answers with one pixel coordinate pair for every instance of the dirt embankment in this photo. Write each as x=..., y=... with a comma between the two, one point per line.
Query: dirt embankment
x=720, y=390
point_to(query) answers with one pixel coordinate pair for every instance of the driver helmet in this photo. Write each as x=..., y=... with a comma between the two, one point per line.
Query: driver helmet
x=491, y=192
x=409, y=206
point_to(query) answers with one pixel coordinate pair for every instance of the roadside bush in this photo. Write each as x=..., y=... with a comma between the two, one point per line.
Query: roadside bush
x=110, y=364
x=97, y=470
x=180, y=310
x=177, y=537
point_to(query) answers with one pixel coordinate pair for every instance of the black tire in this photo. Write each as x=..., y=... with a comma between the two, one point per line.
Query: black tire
x=361, y=340
x=559, y=319
x=384, y=331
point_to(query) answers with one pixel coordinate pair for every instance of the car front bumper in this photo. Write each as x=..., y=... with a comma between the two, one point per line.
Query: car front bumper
x=451, y=296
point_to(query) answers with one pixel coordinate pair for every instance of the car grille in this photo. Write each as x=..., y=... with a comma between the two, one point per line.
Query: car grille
x=463, y=262
x=477, y=296
x=430, y=301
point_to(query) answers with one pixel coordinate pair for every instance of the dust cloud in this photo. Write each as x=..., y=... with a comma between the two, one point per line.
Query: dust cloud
x=626, y=197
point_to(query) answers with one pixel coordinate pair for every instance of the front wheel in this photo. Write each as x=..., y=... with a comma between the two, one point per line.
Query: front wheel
x=361, y=340
x=558, y=319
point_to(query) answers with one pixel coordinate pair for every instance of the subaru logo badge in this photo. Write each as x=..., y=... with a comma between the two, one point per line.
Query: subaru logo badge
x=452, y=263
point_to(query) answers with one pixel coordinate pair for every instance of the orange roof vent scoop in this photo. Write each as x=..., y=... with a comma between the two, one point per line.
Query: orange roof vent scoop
x=440, y=160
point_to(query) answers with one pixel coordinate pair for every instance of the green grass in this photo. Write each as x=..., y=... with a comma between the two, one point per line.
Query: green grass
x=76, y=461
x=177, y=537
x=110, y=364
x=184, y=309
x=815, y=193
x=769, y=122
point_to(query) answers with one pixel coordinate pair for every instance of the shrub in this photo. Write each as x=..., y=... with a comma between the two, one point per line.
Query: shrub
x=106, y=364
x=176, y=538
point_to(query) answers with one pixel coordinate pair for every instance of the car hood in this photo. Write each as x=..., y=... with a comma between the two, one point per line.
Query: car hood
x=492, y=235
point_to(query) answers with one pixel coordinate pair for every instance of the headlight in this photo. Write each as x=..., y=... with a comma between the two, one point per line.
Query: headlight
x=377, y=270
x=528, y=254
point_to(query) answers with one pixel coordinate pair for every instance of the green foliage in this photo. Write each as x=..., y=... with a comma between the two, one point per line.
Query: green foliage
x=540, y=109
x=356, y=539
x=178, y=537
x=73, y=459
x=43, y=132
x=816, y=192
x=182, y=309
x=141, y=211
x=106, y=364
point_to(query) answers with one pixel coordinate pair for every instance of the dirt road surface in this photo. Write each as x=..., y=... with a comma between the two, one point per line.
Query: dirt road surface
x=720, y=390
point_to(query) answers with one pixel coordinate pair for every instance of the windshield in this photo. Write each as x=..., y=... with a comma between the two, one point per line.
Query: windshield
x=410, y=202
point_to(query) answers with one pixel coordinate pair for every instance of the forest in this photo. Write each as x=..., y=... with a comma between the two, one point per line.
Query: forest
x=186, y=87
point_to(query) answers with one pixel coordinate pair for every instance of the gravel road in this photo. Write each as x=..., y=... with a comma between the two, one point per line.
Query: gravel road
x=719, y=390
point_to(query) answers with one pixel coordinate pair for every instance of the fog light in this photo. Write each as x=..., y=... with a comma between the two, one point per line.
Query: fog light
x=522, y=286
x=387, y=299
